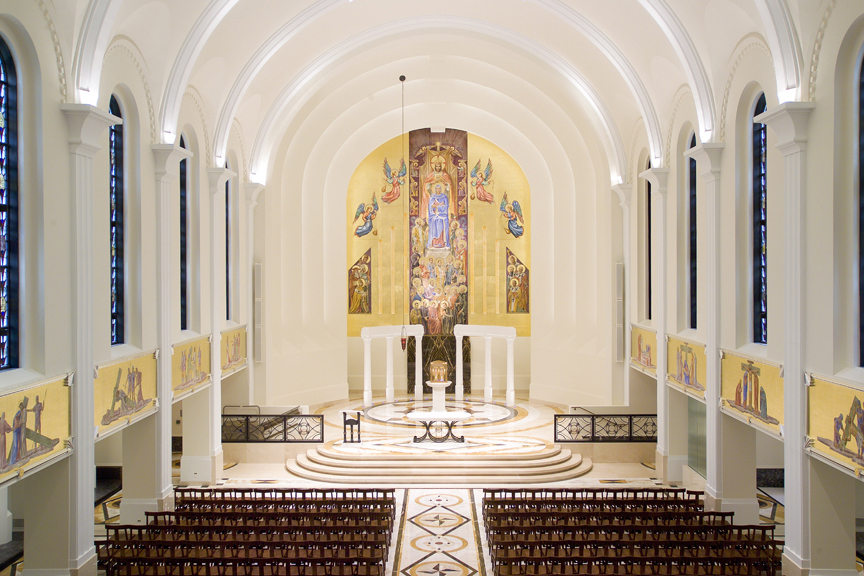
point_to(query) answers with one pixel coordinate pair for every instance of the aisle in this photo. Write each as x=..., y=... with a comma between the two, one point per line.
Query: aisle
x=439, y=534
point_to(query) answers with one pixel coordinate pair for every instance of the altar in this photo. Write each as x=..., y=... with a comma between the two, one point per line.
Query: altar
x=439, y=413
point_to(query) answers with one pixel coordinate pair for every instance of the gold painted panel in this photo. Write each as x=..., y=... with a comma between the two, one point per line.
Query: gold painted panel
x=190, y=365
x=753, y=389
x=835, y=422
x=643, y=350
x=233, y=350
x=686, y=362
x=35, y=426
x=124, y=390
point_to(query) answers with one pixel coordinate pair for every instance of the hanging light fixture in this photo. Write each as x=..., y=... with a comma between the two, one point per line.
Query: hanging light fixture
x=404, y=155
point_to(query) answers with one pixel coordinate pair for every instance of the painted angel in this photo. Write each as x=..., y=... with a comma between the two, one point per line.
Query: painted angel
x=482, y=178
x=513, y=214
x=368, y=212
x=395, y=179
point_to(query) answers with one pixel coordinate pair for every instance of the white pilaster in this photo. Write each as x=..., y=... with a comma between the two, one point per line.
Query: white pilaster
x=708, y=157
x=460, y=376
x=252, y=193
x=390, y=394
x=367, y=371
x=659, y=178
x=625, y=195
x=487, y=367
x=418, y=367
x=789, y=122
x=511, y=383
x=86, y=125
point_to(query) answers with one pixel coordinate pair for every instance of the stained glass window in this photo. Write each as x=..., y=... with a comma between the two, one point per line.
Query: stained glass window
x=648, y=280
x=116, y=145
x=692, y=196
x=184, y=240
x=760, y=227
x=8, y=211
x=227, y=246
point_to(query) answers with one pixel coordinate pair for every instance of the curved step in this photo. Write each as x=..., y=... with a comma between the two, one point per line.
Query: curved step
x=329, y=450
x=323, y=457
x=492, y=477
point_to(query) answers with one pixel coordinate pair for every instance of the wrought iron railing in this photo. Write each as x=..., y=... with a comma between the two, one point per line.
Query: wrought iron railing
x=274, y=428
x=605, y=428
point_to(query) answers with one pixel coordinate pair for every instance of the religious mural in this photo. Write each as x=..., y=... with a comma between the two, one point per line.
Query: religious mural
x=686, y=362
x=752, y=389
x=233, y=350
x=517, y=285
x=360, y=285
x=643, y=350
x=124, y=390
x=835, y=422
x=190, y=365
x=435, y=220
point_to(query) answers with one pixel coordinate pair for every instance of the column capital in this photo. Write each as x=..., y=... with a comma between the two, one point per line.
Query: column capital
x=253, y=190
x=624, y=193
x=217, y=178
x=659, y=179
x=789, y=122
x=86, y=124
x=166, y=160
x=707, y=156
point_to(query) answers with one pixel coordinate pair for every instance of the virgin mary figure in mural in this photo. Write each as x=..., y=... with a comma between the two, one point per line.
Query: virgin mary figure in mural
x=437, y=177
x=439, y=219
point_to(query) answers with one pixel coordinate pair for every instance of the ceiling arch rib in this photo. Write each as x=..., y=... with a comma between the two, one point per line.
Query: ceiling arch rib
x=261, y=149
x=782, y=38
x=90, y=50
x=172, y=99
x=697, y=77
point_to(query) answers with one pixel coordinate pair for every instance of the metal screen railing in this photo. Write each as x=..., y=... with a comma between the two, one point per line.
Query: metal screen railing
x=605, y=428
x=274, y=428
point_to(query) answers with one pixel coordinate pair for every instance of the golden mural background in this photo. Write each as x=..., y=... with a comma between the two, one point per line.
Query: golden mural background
x=686, y=365
x=44, y=436
x=643, y=350
x=233, y=350
x=752, y=389
x=835, y=424
x=190, y=365
x=124, y=389
x=388, y=239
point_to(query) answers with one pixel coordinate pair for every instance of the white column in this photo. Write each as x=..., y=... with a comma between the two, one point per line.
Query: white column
x=166, y=158
x=625, y=194
x=487, y=391
x=511, y=384
x=418, y=369
x=659, y=178
x=389, y=392
x=708, y=158
x=252, y=193
x=86, y=125
x=5, y=517
x=367, y=371
x=789, y=123
x=460, y=377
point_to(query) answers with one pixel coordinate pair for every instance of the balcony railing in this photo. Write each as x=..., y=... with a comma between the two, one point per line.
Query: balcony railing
x=272, y=428
x=605, y=428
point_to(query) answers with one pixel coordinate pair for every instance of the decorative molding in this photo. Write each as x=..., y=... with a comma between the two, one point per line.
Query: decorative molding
x=198, y=107
x=235, y=125
x=683, y=92
x=118, y=46
x=637, y=130
x=58, y=50
x=817, y=48
x=744, y=51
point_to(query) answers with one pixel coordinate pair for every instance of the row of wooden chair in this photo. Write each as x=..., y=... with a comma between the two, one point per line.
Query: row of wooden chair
x=310, y=507
x=282, y=494
x=251, y=550
x=637, y=566
x=253, y=532
x=596, y=493
x=579, y=505
x=287, y=519
x=540, y=519
x=247, y=567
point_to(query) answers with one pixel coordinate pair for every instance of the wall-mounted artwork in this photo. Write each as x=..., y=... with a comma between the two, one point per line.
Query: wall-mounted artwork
x=190, y=365
x=430, y=242
x=752, y=390
x=360, y=285
x=233, y=350
x=518, y=285
x=686, y=365
x=835, y=423
x=35, y=426
x=124, y=390
x=643, y=350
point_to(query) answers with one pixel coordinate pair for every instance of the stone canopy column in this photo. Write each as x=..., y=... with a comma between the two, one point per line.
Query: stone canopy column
x=253, y=191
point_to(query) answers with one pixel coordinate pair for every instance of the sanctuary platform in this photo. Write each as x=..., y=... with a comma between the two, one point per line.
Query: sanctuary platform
x=502, y=446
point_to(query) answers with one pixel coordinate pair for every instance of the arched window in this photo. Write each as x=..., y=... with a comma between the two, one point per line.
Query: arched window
x=117, y=192
x=648, y=280
x=8, y=210
x=760, y=226
x=691, y=185
x=184, y=240
x=227, y=246
x=861, y=213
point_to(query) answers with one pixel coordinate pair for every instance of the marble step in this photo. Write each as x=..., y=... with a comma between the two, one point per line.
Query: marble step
x=338, y=459
x=329, y=450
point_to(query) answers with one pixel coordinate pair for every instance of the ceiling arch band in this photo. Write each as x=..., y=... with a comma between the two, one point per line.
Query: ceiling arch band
x=782, y=38
x=91, y=48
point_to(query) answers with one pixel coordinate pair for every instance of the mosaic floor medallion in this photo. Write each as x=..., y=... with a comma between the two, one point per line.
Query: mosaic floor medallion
x=482, y=412
x=440, y=535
